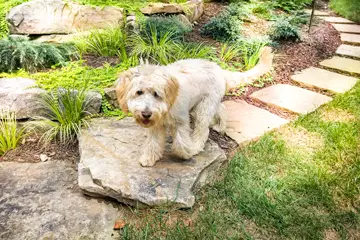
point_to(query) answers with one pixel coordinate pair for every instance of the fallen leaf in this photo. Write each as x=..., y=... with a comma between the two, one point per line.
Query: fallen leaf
x=119, y=224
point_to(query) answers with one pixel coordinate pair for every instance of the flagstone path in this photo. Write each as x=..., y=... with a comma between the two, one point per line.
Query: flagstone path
x=297, y=99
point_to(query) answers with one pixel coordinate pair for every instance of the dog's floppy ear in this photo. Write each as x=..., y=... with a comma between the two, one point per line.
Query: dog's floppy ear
x=122, y=87
x=171, y=90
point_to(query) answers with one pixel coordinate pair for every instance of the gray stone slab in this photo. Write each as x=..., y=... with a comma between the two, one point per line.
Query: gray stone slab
x=247, y=122
x=291, y=98
x=342, y=64
x=321, y=78
x=42, y=201
x=109, y=167
x=349, y=38
x=348, y=50
x=317, y=12
x=336, y=20
x=347, y=28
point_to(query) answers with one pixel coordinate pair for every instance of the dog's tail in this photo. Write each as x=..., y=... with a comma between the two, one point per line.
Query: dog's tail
x=234, y=79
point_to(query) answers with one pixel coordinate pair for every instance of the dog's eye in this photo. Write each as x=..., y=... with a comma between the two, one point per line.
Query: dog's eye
x=156, y=95
x=139, y=92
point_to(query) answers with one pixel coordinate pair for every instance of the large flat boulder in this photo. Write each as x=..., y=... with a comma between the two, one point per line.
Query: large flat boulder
x=20, y=96
x=109, y=167
x=60, y=17
x=43, y=201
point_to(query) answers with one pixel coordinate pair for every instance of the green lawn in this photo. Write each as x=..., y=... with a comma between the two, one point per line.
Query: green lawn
x=299, y=182
x=349, y=9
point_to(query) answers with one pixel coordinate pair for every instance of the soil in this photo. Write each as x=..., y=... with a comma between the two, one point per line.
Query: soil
x=99, y=61
x=30, y=150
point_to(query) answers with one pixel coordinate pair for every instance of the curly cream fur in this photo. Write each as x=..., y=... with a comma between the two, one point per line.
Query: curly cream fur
x=162, y=98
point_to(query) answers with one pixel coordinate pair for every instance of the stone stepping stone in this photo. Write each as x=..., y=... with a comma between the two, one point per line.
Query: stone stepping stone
x=247, y=122
x=348, y=50
x=347, y=28
x=350, y=38
x=42, y=201
x=291, y=98
x=317, y=77
x=109, y=167
x=342, y=64
x=317, y=12
x=336, y=20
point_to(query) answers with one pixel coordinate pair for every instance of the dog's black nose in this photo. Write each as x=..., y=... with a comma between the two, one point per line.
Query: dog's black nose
x=146, y=114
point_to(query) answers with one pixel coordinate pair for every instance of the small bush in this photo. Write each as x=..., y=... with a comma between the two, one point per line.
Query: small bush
x=10, y=133
x=104, y=42
x=290, y=5
x=283, y=30
x=65, y=115
x=17, y=53
x=223, y=27
x=164, y=25
x=153, y=47
x=194, y=50
x=250, y=51
x=228, y=52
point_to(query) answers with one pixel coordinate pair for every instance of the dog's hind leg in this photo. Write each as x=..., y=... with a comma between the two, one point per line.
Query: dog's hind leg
x=154, y=146
x=219, y=120
x=204, y=114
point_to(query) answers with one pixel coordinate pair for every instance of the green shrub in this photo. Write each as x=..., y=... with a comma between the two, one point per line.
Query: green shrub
x=349, y=9
x=164, y=25
x=66, y=113
x=10, y=133
x=153, y=47
x=283, y=30
x=223, y=27
x=298, y=18
x=194, y=50
x=104, y=42
x=16, y=53
x=289, y=5
x=229, y=51
x=250, y=50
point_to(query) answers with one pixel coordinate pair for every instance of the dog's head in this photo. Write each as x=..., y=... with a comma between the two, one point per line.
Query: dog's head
x=148, y=93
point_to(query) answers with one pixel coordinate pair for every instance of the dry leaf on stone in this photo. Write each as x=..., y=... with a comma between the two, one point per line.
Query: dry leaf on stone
x=119, y=224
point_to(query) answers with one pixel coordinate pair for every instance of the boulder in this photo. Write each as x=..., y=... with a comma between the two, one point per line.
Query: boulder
x=42, y=201
x=192, y=9
x=61, y=38
x=60, y=17
x=109, y=167
x=21, y=96
x=110, y=95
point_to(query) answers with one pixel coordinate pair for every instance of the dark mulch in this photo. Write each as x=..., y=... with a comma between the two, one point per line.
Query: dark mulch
x=31, y=149
x=99, y=61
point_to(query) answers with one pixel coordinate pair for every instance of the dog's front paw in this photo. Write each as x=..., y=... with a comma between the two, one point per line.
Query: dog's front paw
x=147, y=161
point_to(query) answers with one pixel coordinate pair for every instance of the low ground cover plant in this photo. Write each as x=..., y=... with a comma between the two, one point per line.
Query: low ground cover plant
x=284, y=30
x=16, y=53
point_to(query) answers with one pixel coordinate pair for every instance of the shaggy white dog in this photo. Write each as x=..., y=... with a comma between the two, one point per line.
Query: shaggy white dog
x=161, y=99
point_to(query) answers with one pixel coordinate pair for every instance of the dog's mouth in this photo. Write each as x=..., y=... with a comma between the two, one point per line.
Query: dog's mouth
x=145, y=121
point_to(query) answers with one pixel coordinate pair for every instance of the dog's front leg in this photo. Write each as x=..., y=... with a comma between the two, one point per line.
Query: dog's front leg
x=154, y=146
x=182, y=145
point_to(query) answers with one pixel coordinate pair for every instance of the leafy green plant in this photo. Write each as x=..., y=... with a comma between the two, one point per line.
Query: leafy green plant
x=283, y=30
x=250, y=51
x=10, y=133
x=65, y=112
x=153, y=47
x=194, y=50
x=164, y=24
x=104, y=42
x=223, y=27
x=229, y=51
x=16, y=53
x=289, y=5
